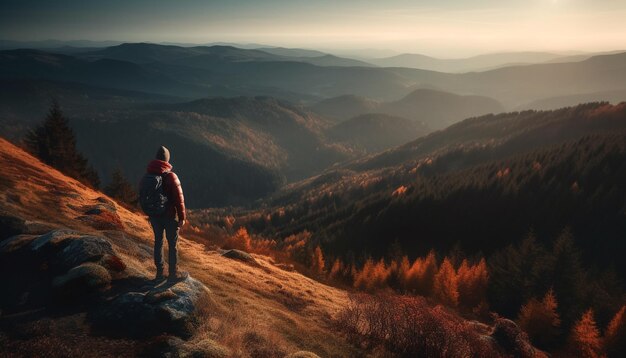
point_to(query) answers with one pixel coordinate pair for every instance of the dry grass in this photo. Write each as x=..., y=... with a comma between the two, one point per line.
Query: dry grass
x=257, y=311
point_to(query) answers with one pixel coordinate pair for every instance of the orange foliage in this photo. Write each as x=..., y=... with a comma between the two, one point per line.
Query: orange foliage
x=399, y=191
x=240, y=240
x=615, y=336
x=420, y=276
x=373, y=276
x=337, y=270
x=472, y=284
x=410, y=327
x=317, y=261
x=445, y=287
x=585, y=338
x=540, y=320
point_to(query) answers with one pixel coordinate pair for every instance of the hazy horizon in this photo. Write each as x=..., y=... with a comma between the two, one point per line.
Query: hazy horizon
x=449, y=28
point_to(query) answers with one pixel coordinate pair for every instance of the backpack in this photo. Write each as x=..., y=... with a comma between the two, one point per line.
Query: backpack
x=152, y=196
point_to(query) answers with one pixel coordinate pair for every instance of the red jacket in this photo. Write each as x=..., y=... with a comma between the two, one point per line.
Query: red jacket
x=172, y=188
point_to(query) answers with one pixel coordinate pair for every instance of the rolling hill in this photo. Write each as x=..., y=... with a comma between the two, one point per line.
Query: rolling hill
x=436, y=109
x=375, y=132
x=470, y=64
x=227, y=71
x=469, y=174
x=343, y=107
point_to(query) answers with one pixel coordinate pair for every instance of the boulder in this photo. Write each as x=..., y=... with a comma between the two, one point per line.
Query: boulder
x=169, y=308
x=10, y=226
x=54, y=238
x=302, y=354
x=15, y=244
x=83, y=249
x=512, y=339
x=239, y=255
x=82, y=279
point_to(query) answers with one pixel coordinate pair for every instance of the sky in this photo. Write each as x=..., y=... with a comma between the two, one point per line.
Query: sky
x=443, y=28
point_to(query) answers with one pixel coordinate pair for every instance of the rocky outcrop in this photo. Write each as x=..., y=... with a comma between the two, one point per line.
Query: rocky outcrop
x=508, y=336
x=102, y=216
x=239, y=255
x=65, y=266
x=61, y=264
x=171, y=308
x=82, y=279
x=11, y=226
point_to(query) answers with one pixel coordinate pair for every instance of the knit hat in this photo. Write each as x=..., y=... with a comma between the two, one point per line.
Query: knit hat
x=163, y=154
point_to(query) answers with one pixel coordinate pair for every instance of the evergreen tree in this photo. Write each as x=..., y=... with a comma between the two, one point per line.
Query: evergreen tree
x=120, y=189
x=615, y=337
x=540, y=320
x=445, y=288
x=585, y=340
x=54, y=143
x=568, y=277
x=317, y=261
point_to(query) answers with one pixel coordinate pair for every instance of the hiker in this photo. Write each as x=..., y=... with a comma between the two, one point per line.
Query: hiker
x=161, y=198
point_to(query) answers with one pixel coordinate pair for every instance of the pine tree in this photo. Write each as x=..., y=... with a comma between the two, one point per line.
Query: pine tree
x=317, y=261
x=615, y=336
x=337, y=270
x=445, y=288
x=54, y=143
x=568, y=277
x=585, y=338
x=540, y=320
x=120, y=189
x=472, y=283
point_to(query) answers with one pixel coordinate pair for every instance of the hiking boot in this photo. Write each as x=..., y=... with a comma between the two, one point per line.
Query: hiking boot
x=179, y=276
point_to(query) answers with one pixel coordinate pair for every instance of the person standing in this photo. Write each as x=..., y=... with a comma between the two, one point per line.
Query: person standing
x=161, y=198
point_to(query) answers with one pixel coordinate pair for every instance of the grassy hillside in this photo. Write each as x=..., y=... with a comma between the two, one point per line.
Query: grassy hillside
x=283, y=310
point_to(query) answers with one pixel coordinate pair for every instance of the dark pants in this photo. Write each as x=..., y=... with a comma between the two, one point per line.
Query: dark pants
x=170, y=226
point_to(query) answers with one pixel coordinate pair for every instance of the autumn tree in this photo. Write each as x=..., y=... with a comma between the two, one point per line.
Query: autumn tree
x=615, y=336
x=421, y=275
x=540, y=320
x=402, y=273
x=317, y=260
x=120, y=189
x=240, y=240
x=472, y=283
x=445, y=287
x=54, y=143
x=373, y=275
x=585, y=339
x=337, y=270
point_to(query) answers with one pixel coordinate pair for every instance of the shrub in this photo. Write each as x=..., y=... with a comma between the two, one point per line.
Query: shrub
x=408, y=326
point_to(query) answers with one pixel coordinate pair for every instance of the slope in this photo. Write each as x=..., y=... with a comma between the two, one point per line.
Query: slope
x=375, y=132
x=494, y=177
x=284, y=309
x=437, y=109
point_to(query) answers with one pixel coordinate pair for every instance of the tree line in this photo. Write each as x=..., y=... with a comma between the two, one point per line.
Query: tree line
x=54, y=142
